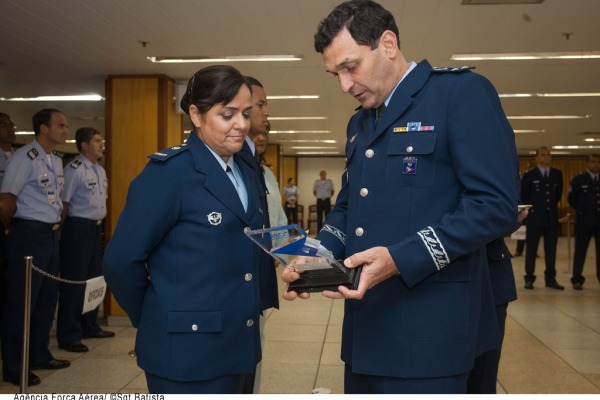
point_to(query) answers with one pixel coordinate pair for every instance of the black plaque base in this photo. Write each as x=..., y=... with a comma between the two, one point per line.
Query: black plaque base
x=325, y=279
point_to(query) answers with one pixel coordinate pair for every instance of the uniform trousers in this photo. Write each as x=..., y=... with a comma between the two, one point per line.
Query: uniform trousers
x=323, y=207
x=583, y=235
x=483, y=376
x=232, y=384
x=534, y=233
x=371, y=384
x=2, y=267
x=39, y=240
x=80, y=260
x=291, y=212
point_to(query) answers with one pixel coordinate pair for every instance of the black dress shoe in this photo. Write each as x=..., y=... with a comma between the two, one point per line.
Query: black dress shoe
x=578, y=286
x=75, y=347
x=518, y=254
x=555, y=285
x=528, y=285
x=98, y=335
x=32, y=380
x=53, y=364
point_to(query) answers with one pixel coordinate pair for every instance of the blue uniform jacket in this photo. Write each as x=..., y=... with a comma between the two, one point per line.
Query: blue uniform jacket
x=542, y=195
x=434, y=182
x=584, y=197
x=182, y=268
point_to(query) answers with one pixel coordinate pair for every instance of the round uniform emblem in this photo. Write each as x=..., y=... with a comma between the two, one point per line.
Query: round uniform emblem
x=214, y=218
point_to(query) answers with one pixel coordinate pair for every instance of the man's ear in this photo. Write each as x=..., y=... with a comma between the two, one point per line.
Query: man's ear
x=389, y=41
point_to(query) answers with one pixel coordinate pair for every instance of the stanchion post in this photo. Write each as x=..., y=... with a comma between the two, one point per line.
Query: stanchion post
x=26, y=325
x=569, y=242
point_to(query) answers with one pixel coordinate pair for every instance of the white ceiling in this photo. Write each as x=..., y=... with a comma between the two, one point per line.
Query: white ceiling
x=51, y=47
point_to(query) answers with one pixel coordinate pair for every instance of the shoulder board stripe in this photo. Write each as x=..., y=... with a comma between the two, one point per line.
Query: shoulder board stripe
x=451, y=69
x=166, y=154
x=33, y=153
x=75, y=164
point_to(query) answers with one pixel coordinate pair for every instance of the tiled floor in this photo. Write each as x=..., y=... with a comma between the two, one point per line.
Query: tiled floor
x=552, y=345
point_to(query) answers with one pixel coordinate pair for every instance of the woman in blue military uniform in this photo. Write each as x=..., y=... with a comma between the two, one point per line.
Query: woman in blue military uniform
x=179, y=262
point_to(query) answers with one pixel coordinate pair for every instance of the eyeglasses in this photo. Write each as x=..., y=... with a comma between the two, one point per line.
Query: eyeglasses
x=10, y=125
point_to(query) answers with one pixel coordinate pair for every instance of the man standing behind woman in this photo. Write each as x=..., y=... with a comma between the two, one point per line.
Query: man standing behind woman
x=291, y=194
x=84, y=196
x=323, y=190
x=179, y=262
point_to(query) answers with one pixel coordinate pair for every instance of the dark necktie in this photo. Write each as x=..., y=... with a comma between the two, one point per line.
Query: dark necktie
x=248, y=158
x=380, y=111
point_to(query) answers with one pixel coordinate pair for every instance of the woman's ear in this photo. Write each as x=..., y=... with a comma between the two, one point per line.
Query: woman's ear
x=195, y=116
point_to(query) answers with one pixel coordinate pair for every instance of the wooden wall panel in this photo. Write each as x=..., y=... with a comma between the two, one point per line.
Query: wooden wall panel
x=140, y=119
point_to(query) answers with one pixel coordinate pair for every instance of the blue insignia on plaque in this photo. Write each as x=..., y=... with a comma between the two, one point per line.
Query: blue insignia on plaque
x=413, y=126
x=409, y=166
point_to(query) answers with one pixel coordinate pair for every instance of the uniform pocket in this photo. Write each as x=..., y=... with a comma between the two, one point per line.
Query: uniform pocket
x=410, y=159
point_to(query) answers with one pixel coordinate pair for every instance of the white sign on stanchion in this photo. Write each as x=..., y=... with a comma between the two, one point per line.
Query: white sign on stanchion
x=95, y=289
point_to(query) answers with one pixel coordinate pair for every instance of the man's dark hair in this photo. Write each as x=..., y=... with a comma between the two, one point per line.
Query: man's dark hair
x=537, y=151
x=253, y=81
x=365, y=20
x=43, y=117
x=84, y=135
x=590, y=156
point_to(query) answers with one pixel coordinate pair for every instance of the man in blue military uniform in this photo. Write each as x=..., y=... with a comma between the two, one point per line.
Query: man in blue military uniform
x=269, y=295
x=84, y=195
x=416, y=209
x=33, y=183
x=584, y=197
x=542, y=188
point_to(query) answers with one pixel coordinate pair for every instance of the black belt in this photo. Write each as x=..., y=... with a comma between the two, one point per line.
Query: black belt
x=87, y=220
x=36, y=224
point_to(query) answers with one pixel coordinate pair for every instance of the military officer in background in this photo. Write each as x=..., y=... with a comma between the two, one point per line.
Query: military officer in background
x=84, y=196
x=416, y=209
x=7, y=138
x=542, y=188
x=584, y=197
x=32, y=184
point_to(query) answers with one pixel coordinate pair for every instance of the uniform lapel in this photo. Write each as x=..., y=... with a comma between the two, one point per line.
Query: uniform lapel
x=403, y=97
x=253, y=205
x=217, y=182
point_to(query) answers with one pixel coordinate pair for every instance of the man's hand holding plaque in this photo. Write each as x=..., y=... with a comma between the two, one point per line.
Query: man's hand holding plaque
x=309, y=267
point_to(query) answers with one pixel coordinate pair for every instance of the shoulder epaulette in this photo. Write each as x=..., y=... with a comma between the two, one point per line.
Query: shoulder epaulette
x=168, y=153
x=451, y=69
x=75, y=164
x=33, y=153
x=57, y=154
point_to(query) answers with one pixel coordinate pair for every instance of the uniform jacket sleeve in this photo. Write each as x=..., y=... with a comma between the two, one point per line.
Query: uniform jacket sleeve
x=150, y=211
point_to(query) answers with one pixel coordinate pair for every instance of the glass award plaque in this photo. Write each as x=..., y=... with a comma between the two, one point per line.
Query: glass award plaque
x=319, y=269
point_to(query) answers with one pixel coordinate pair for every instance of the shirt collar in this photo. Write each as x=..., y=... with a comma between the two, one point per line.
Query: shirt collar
x=411, y=66
x=230, y=163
